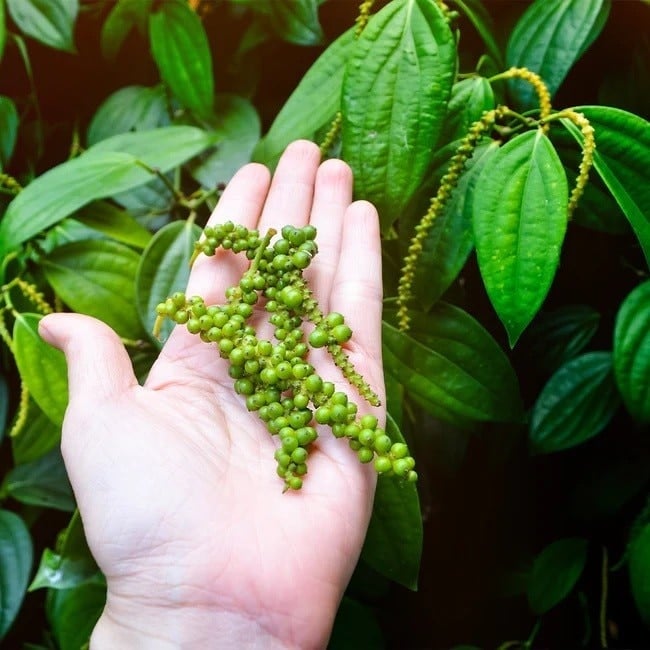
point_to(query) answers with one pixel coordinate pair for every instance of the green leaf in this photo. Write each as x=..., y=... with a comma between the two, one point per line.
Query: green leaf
x=42, y=482
x=4, y=405
x=39, y=436
x=312, y=105
x=49, y=21
x=555, y=572
x=395, y=91
x=295, y=21
x=576, y=404
x=639, y=571
x=237, y=126
x=132, y=108
x=42, y=367
x=163, y=269
x=632, y=352
x=520, y=218
x=181, y=51
x=114, y=223
x=393, y=544
x=98, y=173
x=123, y=17
x=470, y=98
x=8, y=129
x=15, y=566
x=3, y=30
x=73, y=613
x=622, y=159
x=97, y=278
x=452, y=366
x=549, y=38
x=482, y=21
x=355, y=628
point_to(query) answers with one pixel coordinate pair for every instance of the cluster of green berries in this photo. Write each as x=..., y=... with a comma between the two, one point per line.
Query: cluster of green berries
x=275, y=377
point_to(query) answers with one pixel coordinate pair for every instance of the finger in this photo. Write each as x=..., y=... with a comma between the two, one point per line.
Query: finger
x=290, y=197
x=332, y=196
x=99, y=367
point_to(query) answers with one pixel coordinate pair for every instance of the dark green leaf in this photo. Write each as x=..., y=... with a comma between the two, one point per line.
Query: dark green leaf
x=452, y=366
x=8, y=129
x=632, y=352
x=49, y=21
x=41, y=367
x=393, y=543
x=133, y=108
x=555, y=572
x=639, y=570
x=550, y=37
x=469, y=99
x=355, y=628
x=72, y=613
x=312, y=104
x=42, y=482
x=622, y=159
x=407, y=52
x=163, y=269
x=482, y=21
x=3, y=30
x=295, y=21
x=576, y=404
x=181, y=51
x=15, y=566
x=4, y=405
x=237, y=125
x=118, y=224
x=97, y=278
x=520, y=218
x=39, y=436
x=56, y=572
x=123, y=17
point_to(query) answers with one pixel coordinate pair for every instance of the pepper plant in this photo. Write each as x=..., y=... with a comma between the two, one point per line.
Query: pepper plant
x=506, y=147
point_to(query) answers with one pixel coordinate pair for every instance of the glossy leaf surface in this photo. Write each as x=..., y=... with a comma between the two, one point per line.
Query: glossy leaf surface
x=106, y=218
x=39, y=436
x=519, y=219
x=469, y=99
x=395, y=90
x=49, y=21
x=8, y=129
x=295, y=21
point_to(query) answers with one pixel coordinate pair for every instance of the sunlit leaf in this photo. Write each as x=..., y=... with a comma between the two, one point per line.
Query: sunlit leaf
x=49, y=21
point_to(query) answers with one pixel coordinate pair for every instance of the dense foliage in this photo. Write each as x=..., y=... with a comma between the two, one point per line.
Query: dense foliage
x=506, y=146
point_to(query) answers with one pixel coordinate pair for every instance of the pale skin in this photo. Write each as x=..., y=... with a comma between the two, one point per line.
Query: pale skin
x=175, y=480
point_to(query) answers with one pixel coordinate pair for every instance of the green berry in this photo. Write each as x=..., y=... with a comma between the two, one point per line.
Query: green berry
x=334, y=319
x=341, y=334
x=382, y=444
x=365, y=455
x=368, y=422
x=299, y=455
x=399, y=450
x=383, y=465
x=318, y=338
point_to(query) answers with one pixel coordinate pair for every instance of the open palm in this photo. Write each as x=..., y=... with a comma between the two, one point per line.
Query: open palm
x=176, y=481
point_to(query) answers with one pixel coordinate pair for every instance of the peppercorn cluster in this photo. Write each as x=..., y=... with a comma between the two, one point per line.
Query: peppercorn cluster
x=275, y=377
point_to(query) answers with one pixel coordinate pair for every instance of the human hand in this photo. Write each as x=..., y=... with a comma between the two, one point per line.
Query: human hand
x=175, y=480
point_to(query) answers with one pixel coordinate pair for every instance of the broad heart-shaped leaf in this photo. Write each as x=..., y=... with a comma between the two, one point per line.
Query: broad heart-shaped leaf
x=72, y=613
x=39, y=436
x=41, y=482
x=8, y=129
x=576, y=404
x=49, y=21
x=312, y=104
x=42, y=367
x=295, y=21
x=393, y=542
x=622, y=160
x=15, y=566
x=555, y=572
x=106, y=218
x=639, y=571
x=181, y=51
x=106, y=169
x=395, y=91
x=238, y=126
x=97, y=278
x=549, y=38
x=520, y=218
x=119, y=22
x=132, y=108
x=163, y=269
x=632, y=352
x=452, y=366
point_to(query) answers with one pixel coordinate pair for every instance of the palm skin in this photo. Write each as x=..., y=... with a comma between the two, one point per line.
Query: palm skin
x=176, y=481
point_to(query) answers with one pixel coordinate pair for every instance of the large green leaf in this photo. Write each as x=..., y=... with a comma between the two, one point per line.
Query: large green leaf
x=181, y=51
x=395, y=91
x=106, y=169
x=577, y=403
x=394, y=539
x=555, y=572
x=550, y=37
x=41, y=482
x=8, y=129
x=452, y=366
x=622, y=159
x=15, y=566
x=106, y=218
x=312, y=104
x=632, y=352
x=97, y=278
x=38, y=436
x=163, y=269
x=520, y=218
x=49, y=21
x=42, y=367
x=124, y=15
x=639, y=570
x=132, y=108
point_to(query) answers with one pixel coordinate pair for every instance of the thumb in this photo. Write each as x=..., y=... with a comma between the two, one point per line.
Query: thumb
x=98, y=364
